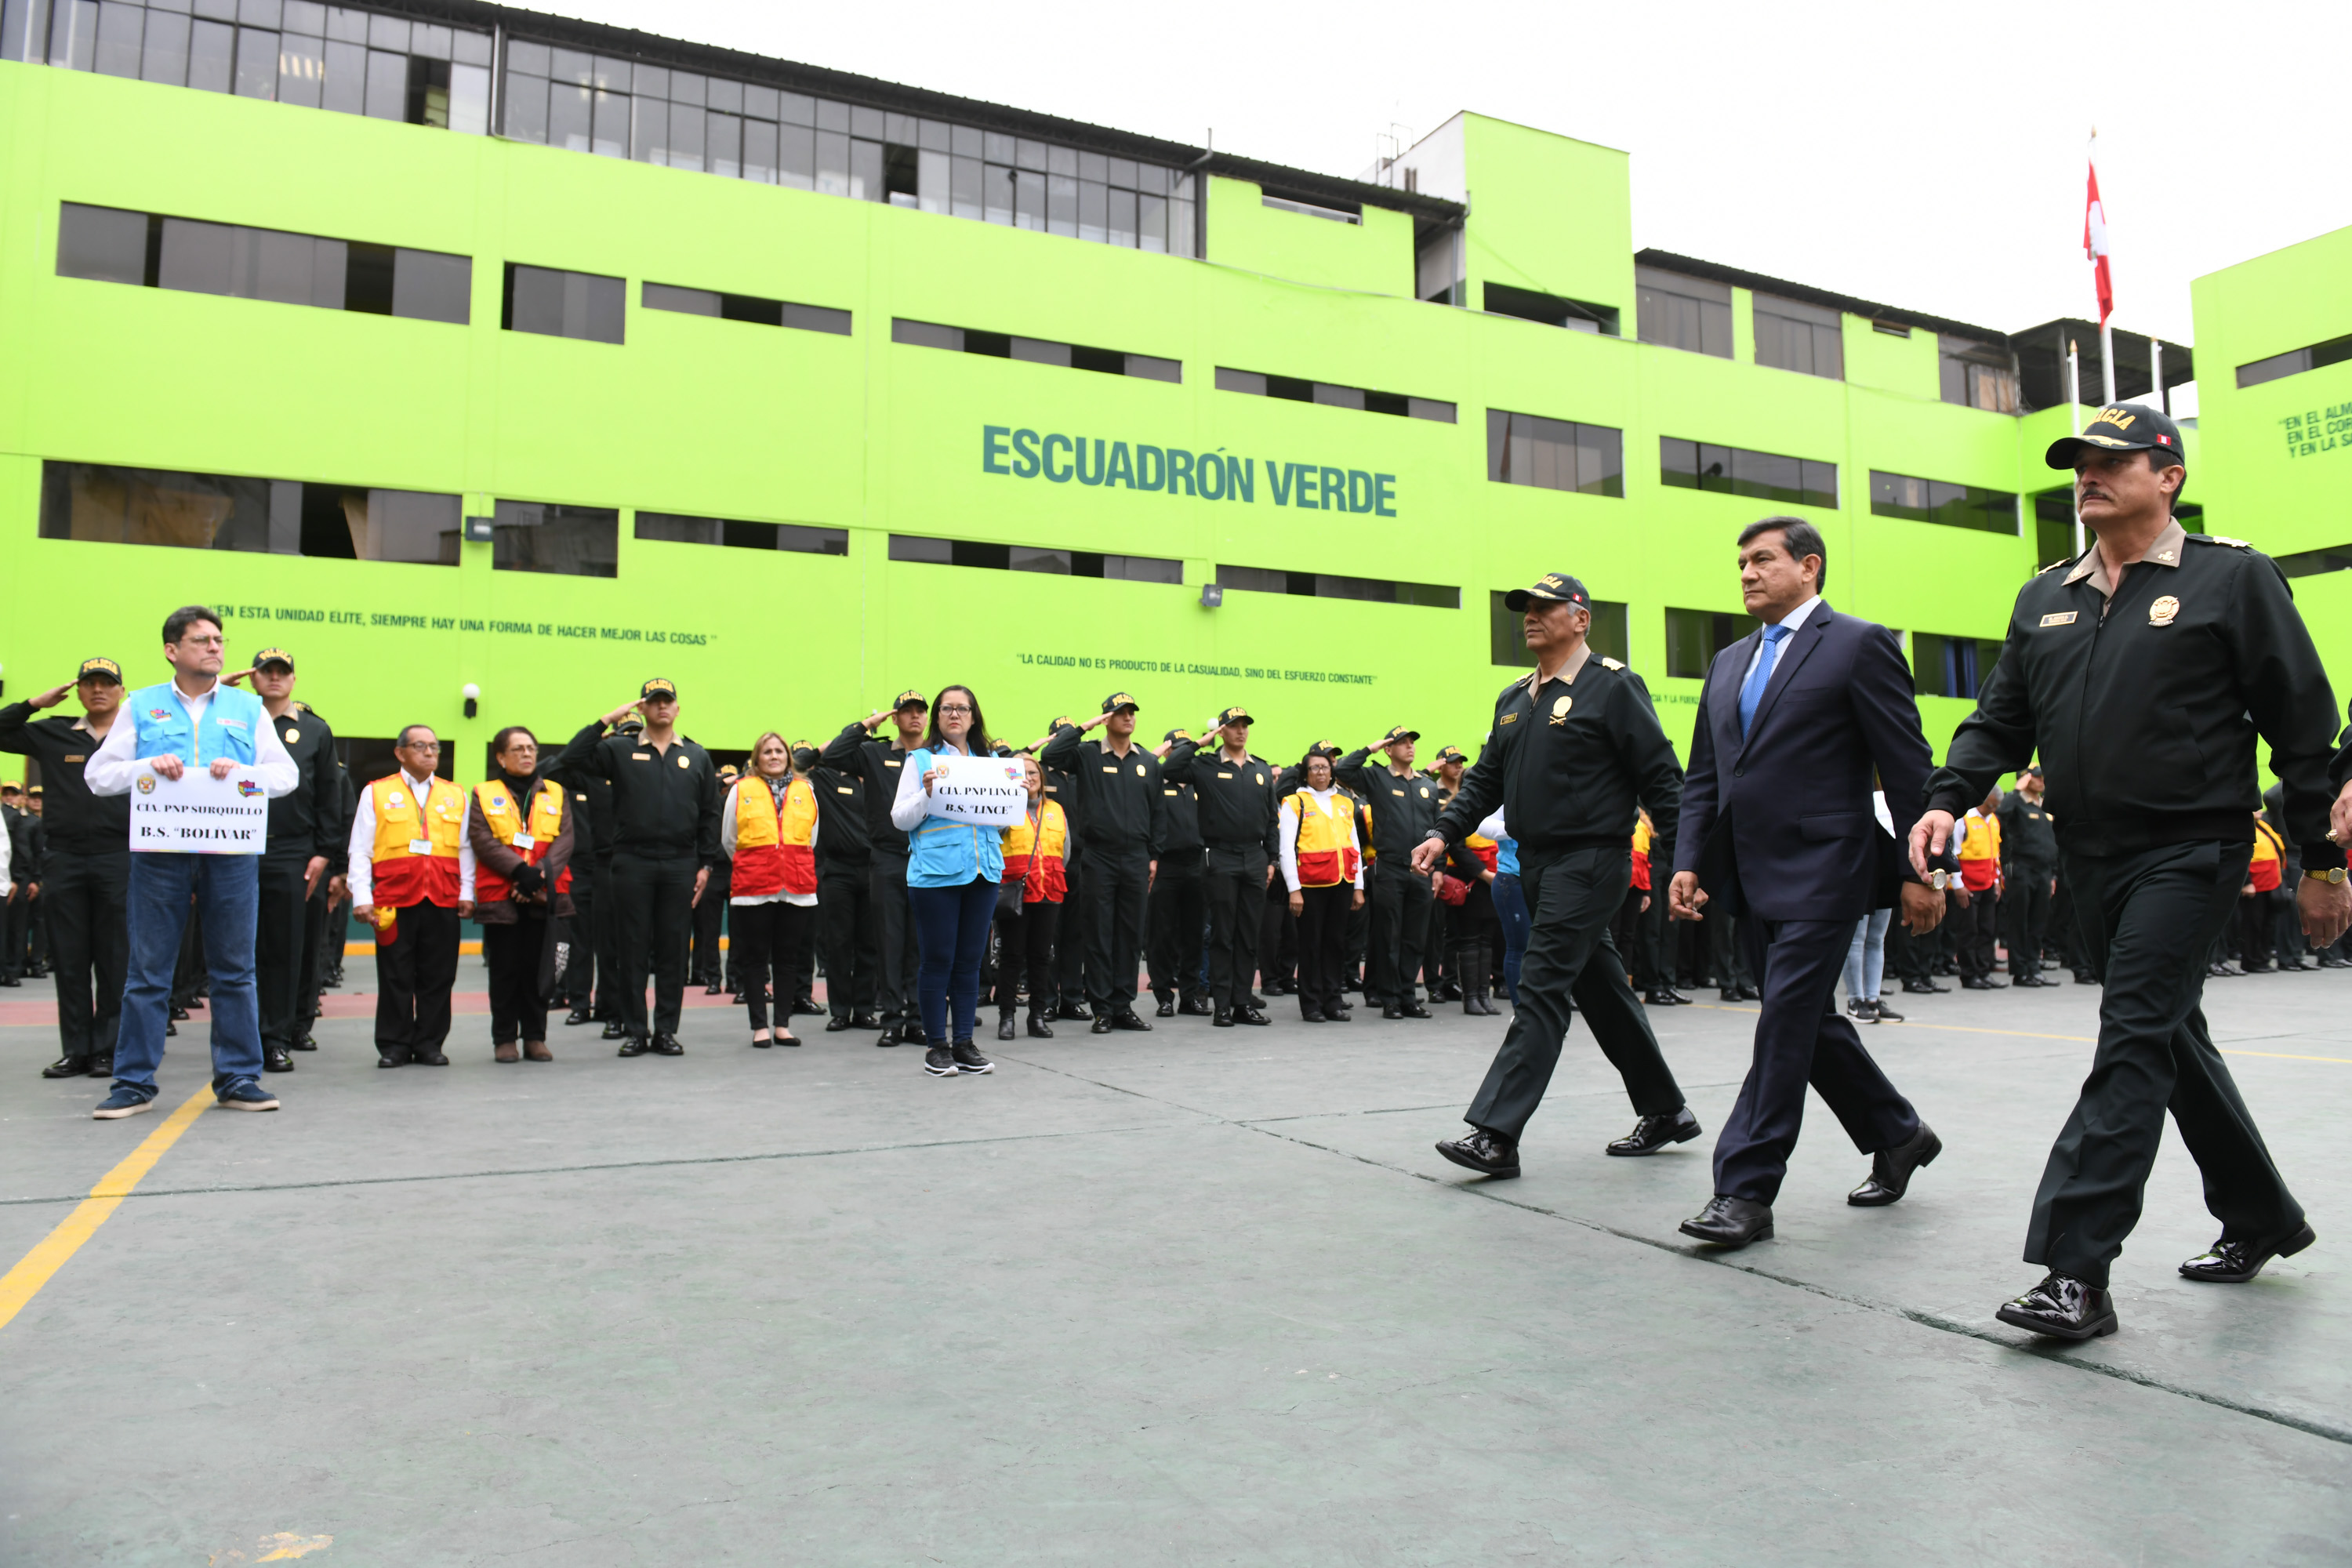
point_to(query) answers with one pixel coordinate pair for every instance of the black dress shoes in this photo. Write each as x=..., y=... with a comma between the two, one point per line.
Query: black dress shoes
x=1653, y=1134
x=1918, y=988
x=2235, y=1262
x=68, y=1067
x=1890, y=1170
x=1488, y=1154
x=835, y=1024
x=891, y=1035
x=1309, y=1015
x=429, y=1059
x=1250, y=1015
x=1074, y=1010
x=391, y=1061
x=178, y=1012
x=1415, y=1010
x=1101, y=1025
x=1981, y=982
x=1004, y=1027
x=102, y=1065
x=616, y=1031
x=863, y=1021
x=1167, y=1008
x=1730, y=1223
x=634, y=1045
x=306, y=1043
x=577, y=1016
x=275, y=1059
x=1129, y=1021
x=1038, y=1028
x=1195, y=1007
x=2062, y=1308
x=667, y=1046
x=1223, y=1018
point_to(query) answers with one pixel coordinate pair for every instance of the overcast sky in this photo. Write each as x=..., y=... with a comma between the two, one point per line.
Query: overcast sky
x=1928, y=156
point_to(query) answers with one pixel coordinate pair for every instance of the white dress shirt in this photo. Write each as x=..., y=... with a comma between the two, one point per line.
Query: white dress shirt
x=727, y=847
x=360, y=869
x=1766, y=648
x=1324, y=803
x=115, y=764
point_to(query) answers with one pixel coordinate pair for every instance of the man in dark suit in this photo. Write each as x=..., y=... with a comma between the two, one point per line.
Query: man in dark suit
x=1798, y=719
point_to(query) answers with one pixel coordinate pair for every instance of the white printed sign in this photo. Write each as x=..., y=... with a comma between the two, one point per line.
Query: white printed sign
x=981, y=791
x=197, y=813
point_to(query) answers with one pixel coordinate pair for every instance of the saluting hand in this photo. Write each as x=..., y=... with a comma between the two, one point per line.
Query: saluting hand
x=51, y=698
x=1685, y=897
x=623, y=712
x=876, y=718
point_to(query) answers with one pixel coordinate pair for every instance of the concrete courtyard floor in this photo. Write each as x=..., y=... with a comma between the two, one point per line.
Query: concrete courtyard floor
x=1196, y=1296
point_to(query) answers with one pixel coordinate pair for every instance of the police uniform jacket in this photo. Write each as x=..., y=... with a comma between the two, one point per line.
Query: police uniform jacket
x=1569, y=762
x=1403, y=809
x=2145, y=701
x=877, y=765
x=1121, y=806
x=25, y=845
x=309, y=819
x=1238, y=805
x=79, y=823
x=843, y=838
x=2028, y=841
x=665, y=804
x=1183, y=810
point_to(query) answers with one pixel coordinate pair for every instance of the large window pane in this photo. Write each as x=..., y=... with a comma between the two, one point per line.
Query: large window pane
x=428, y=286
x=117, y=39
x=102, y=243
x=100, y=504
x=163, y=53
x=387, y=86
x=526, y=104
x=797, y=156
x=1062, y=204
x=572, y=540
x=996, y=192
x=686, y=138
x=608, y=134
x=256, y=63
x=760, y=150
x=833, y=163
x=723, y=143
x=196, y=257
x=568, y=115
x=469, y=99
x=866, y=182
x=1028, y=199
x=649, y=137
x=212, y=53
x=301, y=69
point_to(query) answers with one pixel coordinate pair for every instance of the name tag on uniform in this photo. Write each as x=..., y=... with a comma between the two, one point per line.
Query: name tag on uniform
x=842, y=789
x=76, y=759
x=583, y=794
x=1220, y=776
x=2060, y=618
x=641, y=756
x=889, y=764
x=1111, y=767
x=1508, y=718
x=1398, y=792
x=420, y=847
x=524, y=841
x=1168, y=792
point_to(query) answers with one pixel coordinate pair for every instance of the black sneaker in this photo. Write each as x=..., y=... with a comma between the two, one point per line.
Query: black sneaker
x=939, y=1062
x=968, y=1059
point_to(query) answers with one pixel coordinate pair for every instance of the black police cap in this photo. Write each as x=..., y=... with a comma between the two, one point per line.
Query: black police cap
x=1558, y=587
x=2121, y=427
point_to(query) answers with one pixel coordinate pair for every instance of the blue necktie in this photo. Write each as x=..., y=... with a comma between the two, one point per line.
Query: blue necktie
x=1751, y=693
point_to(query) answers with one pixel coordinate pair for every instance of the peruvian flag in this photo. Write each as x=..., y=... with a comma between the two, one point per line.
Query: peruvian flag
x=2095, y=247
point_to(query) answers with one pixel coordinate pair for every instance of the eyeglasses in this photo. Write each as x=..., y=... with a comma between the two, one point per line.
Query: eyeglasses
x=425, y=746
x=203, y=642
x=953, y=708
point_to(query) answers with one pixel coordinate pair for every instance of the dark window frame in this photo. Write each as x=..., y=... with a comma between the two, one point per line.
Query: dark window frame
x=1609, y=637
x=511, y=529
x=1504, y=429
x=1329, y=585
x=1053, y=560
x=280, y=517
x=674, y=298
x=1696, y=638
x=376, y=277
x=1332, y=394
x=1945, y=503
x=617, y=298
x=738, y=534
x=1036, y=350
x=1716, y=468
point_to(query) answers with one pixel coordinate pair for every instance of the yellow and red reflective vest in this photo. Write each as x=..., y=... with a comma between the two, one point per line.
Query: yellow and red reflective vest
x=529, y=838
x=773, y=838
x=2269, y=851
x=404, y=875
x=1325, y=843
x=1641, y=854
x=1034, y=851
x=1980, y=850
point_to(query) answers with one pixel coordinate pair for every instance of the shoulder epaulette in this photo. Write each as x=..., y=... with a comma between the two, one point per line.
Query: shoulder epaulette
x=2219, y=539
x=2055, y=565
x=301, y=706
x=1608, y=663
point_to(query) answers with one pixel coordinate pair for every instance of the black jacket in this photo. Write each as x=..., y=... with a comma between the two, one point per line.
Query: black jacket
x=25, y=845
x=665, y=804
x=311, y=820
x=1183, y=813
x=1404, y=810
x=1120, y=803
x=2028, y=840
x=2146, y=716
x=1239, y=805
x=877, y=765
x=79, y=823
x=843, y=835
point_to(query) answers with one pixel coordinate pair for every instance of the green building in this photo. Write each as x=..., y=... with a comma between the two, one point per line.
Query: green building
x=462, y=348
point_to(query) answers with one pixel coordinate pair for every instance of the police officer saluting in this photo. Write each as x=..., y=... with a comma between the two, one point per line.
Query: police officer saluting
x=665, y=842
x=2145, y=671
x=1122, y=822
x=1179, y=895
x=1575, y=749
x=877, y=765
x=1404, y=806
x=308, y=838
x=1239, y=810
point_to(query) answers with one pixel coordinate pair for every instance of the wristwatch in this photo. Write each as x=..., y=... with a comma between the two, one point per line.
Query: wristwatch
x=2332, y=876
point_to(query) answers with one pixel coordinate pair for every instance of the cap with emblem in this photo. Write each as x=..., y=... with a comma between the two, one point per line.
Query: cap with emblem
x=910, y=698
x=1399, y=732
x=1558, y=587
x=655, y=687
x=630, y=725
x=1120, y=701
x=1175, y=735
x=1061, y=722
x=1330, y=749
x=99, y=669
x=1451, y=754
x=270, y=655
x=2121, y=427
x=1235, y=715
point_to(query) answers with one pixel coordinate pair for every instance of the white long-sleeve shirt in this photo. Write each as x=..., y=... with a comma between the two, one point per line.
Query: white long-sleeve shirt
x=360, y=868
x=727, y=847
x=913, y=802
x=1324, y=801
x=6, y=886
x=115, y=764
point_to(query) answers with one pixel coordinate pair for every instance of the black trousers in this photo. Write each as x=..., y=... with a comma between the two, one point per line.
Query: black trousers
x=311, y=978
x=1726, y=952
x=2024, y=918
x=652, y=926
x=1180, y=918
x=277, y=949
x=1323, y=946
x=1024, y=946
x=711, y=920
x=607, y=939
x=1119, y=894
x=83, y=898
x=893, y=929
x=1569, y=956
x=1636, y=937
x=580, y=967
x=768, y=938
x=1398, y=932
x=1801, y=1039
x=16, y=927
x=1070, y=952
x=2147, y=922
x=1277, y=938
x=1233, y=889
x=1978, y=923
x=514, y=952
x=844, y=914
x=414, y=975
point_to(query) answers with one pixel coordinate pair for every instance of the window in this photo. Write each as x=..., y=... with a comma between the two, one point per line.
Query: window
x=2054, y=526
x=736, y=535
x=1258, y=385
x=1682, y=312
x=1933, y=501
x=149, y=249
x=1951, y=666
x=1552, y=310
x=1978, y=375
x=1028, y=558
x=1793, y=335
x=292, y=51
x=1522, y=449
x=1337, y=212
x=106, y=505
x=571, y=541
x=744, y=307
x=1694, y=637
x=1700, y=466
x=1320, y=586
x=1507, y=643
x=2335, y=351
x=1036, y=351
x=743, y=131
x=563, y=304
x=2311, y=562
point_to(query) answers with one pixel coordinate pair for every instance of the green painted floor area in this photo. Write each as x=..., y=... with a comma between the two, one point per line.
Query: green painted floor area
x=1196, y=1297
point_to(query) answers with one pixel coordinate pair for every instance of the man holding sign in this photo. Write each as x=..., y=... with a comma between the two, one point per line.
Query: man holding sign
x=201, y=762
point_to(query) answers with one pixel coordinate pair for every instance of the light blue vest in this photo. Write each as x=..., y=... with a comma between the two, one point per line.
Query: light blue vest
x=943, y=854
x=231, y=727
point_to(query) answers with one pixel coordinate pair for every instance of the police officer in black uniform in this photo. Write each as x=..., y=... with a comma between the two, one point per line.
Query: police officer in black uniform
x=845, y=895
x=1241, y=825
x=589, y=859
x=875, y=765
x=2029, y=875
x=88, y=869
x=1179, y=896
x=2145, y=671
x=309, y=837
x=1574, y=749
x=1405, y=807
x=1070, y=943
x=25, y=858
x=665, y=843
x=1123, y=825
x=706, y=963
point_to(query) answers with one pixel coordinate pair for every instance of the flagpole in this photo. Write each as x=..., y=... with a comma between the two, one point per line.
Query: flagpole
x=2075, y=418
x=2108, y=361
x=2156, y=377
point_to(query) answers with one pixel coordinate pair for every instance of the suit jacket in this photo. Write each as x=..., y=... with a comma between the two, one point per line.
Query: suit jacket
x=1781, y=823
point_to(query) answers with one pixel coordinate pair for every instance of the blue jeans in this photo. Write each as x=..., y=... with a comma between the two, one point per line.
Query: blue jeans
x=951, y=938
x=1511, y=908
x=1866, y=960
x=226, y=891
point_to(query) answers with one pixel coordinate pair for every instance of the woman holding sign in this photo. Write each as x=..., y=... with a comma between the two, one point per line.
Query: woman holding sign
x=952, y=817
x=768, y=825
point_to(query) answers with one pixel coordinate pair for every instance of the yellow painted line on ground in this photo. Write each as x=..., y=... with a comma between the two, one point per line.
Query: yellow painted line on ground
x=23, y=1282
x=2080, y=1039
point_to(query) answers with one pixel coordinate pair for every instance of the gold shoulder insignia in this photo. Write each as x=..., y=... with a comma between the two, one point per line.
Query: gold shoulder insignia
x=2220, y=539
x=304, y=707
x=1608, y=663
